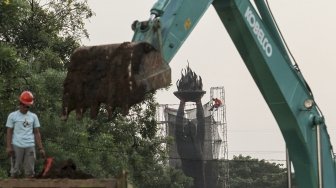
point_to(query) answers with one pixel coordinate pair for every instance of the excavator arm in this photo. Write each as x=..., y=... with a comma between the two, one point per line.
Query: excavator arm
x=255, y=35
x=283, y=88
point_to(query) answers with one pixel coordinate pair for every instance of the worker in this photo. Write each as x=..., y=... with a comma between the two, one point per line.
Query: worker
x=22, y=136
x=217, y=103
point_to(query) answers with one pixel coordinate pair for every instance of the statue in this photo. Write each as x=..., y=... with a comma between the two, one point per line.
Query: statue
x=190, y=136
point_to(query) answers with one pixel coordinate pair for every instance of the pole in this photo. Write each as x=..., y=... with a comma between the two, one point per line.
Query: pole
x=319, y=155
x=289, y=170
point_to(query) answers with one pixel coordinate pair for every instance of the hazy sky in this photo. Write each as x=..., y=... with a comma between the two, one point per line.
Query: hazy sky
x=309, y=29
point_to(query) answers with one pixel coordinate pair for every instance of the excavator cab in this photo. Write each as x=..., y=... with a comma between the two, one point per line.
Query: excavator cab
x=117, y=75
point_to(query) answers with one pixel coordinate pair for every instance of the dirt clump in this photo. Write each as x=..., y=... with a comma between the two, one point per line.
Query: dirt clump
x=118, y=75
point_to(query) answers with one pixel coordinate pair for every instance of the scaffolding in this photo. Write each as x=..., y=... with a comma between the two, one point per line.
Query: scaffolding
x=215, y=136
x=219, y=120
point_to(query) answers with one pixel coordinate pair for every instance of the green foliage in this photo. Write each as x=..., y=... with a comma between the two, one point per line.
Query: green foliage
x=254, y=173
x=12, y=14
x=8, y=59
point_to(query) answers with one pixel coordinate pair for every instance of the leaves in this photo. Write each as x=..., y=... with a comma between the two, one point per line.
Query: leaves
x=8, y=59
x=255, y=173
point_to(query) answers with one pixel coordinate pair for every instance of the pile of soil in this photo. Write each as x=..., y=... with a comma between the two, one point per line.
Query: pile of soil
x=64, y=169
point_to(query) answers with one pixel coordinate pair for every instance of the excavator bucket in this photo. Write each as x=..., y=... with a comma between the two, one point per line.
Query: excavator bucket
x=117, y=75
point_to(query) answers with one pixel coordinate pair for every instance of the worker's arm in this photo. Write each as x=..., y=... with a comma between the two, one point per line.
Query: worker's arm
x=9, y=136
x=38, y=141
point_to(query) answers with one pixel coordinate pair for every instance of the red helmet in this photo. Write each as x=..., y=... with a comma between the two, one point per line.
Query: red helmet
x=27, y=98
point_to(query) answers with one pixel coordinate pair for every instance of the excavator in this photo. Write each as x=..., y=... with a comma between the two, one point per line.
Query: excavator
x=120, y=75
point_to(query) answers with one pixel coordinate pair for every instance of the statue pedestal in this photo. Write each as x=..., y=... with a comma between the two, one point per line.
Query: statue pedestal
x=189, y=96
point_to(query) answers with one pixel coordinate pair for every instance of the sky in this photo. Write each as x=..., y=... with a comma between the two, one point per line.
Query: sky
x=309, y=30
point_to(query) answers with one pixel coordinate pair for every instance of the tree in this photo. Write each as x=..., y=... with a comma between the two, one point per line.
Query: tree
x=255, y=173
